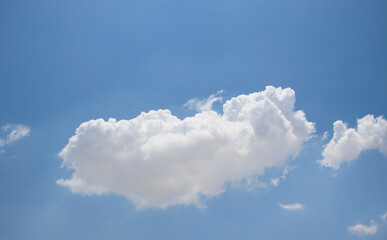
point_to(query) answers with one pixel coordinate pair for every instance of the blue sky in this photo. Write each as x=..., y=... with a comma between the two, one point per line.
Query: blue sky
x=63, y=63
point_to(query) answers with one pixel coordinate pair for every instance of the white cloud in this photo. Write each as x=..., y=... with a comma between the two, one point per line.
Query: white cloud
x=361, y=229
x=16, y=132
x=276, y=181
x=347, y=143
x=158, y=160
x=205, y=104
x=325, y=136
x=384, y=216
x=292, y=207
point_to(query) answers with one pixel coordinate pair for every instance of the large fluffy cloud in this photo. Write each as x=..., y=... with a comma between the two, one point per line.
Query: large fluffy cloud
x=347, y=143
x=158, y=160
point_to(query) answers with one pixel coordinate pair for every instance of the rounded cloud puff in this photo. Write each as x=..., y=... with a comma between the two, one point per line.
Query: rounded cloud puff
x=347, y=143
x=158, y=160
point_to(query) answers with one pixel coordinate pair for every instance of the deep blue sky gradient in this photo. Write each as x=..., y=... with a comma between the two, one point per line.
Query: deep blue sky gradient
x=66, y=62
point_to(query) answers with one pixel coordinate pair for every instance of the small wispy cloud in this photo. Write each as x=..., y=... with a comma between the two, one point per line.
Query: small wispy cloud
x=275, y=181
x=15, y=132
x=292, y=207
x=325, y=136
x=384, y=216
x=361, y=229
x=204, y=104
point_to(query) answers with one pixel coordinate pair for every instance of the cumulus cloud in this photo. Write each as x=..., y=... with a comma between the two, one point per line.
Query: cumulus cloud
x=292, y=207
x=347, y=143
x=158, y=160
x=361, y=229
x=205, y=104
x=15, y=132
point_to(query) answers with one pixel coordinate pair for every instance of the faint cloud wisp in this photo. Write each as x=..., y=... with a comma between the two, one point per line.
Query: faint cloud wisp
x=292, y=207
x=15, y=133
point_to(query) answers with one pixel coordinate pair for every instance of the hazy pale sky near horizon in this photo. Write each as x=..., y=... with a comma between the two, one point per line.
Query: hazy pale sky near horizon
x=193, y=119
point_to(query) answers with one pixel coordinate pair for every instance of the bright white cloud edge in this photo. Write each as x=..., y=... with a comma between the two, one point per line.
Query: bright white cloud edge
x=158, y=160
x=292, y=207
x=347, y=143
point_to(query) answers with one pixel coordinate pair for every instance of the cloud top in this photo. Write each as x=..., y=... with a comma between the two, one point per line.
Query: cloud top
x=347, y=143
x=158, y=160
